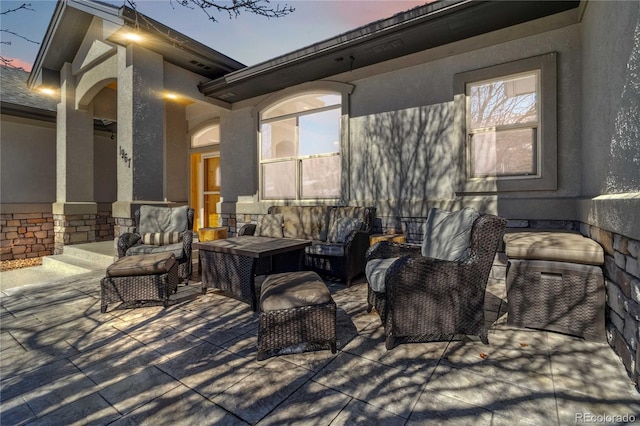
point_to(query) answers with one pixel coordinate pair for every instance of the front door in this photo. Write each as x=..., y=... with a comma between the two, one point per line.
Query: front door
x=205, y=189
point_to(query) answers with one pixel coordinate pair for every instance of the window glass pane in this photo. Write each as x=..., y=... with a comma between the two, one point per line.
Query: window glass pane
x=320, y=133
x=510, y=100
x=504, y=153
x=278, y=139
x=321, y=177
x=302, y=103
x=279, y=180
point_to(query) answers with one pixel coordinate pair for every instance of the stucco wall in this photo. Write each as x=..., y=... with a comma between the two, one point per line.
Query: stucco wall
x=28, y=161
x=105, y=184
x=176, y=153
x=239, y=159
x=403, y=136
x=611, y=117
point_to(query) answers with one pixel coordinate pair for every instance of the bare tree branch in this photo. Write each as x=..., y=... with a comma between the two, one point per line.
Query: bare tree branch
x=236, y=7
x=16, y=35
x=7, y=62
x=23, y=6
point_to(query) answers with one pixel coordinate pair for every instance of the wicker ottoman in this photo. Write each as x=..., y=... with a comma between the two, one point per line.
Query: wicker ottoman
x=296, y=308
x=144, y=278
x=555, y=283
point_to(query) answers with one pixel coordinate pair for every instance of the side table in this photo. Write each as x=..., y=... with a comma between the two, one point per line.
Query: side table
x=210, y=234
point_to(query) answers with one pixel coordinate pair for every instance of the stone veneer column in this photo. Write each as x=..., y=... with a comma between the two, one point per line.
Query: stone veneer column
x=141, y=133
x=74, y=212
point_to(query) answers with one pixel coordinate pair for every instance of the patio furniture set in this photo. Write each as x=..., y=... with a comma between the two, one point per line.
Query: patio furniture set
x=421, y=292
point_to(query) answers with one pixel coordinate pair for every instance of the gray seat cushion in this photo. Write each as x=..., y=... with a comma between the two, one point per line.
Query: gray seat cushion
x=447, y=235
x=376, y=270
x=293, y=290
x=320, y=248
x=150, y=264
x=177, y=249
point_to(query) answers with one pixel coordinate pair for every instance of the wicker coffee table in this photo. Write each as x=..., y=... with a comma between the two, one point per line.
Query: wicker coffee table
x=232, y=264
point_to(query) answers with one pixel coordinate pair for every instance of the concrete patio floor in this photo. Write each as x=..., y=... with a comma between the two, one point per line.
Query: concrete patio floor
x=62, y=362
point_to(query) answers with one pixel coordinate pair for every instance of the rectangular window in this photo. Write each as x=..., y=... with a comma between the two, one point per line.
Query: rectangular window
x=300, y=148
x=510, y=125
x=502, y=121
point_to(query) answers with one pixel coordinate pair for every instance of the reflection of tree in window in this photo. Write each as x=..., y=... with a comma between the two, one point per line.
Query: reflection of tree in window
x=503, y=121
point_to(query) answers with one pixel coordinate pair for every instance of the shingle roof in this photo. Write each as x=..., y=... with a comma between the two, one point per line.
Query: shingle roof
x=14, y=90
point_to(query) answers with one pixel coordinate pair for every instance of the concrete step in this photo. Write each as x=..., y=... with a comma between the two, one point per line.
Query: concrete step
x=102, y=253
x=81, y=258
x=70, y=264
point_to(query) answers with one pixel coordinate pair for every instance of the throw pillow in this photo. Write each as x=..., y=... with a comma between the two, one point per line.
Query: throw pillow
x=447, y=235
x=161, y=238
x=270, y=225
x=342, y=227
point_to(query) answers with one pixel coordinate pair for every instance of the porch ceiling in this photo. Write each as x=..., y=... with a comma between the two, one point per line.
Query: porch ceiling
x=418, y=29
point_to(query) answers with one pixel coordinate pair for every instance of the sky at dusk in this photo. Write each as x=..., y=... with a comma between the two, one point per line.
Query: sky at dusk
x=249, y=39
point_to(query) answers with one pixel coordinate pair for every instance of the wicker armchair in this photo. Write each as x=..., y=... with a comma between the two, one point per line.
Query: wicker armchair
x=153, y=228
x=427, y=299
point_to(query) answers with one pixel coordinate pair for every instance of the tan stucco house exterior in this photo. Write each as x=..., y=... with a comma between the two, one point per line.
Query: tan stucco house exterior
x=528, y=110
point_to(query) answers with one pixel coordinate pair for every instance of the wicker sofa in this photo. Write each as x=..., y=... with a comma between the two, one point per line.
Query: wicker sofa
x=340, y=235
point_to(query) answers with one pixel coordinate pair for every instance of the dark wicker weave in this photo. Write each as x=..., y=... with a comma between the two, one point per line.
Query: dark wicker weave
x=128, y=239
x=345, y=267
x=232, y=274
x=313, y=325
x=557, y=296
x=427, y=299
x=134, y=290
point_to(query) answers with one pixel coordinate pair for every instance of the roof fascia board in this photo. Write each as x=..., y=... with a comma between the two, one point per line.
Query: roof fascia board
x=24, y=111
x=193, y=47
x=338, y=42
x=46, y=42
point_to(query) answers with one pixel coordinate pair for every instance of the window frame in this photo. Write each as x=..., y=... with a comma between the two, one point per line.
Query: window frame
x=297, y=158
x=546, y=150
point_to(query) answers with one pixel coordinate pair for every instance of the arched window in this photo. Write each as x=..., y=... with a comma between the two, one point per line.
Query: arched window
x=300, y=147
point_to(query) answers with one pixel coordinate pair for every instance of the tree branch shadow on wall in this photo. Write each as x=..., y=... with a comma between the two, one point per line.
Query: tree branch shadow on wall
x=406, y=162
x=624, y=156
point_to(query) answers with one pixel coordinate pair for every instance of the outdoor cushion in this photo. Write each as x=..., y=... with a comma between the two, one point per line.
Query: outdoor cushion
x=304, y=222
x=342, y=228
x=269, y=225
x=554, y=245
x=149, y=264
x=320, y=248
x=161, y=238
x=447, y=235
x=177, y=249
x=292, y=290
x=163, y=219
x=376, y=270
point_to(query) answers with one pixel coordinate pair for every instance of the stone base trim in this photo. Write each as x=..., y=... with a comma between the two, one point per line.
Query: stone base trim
x=26, y=235
x=73, y=229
